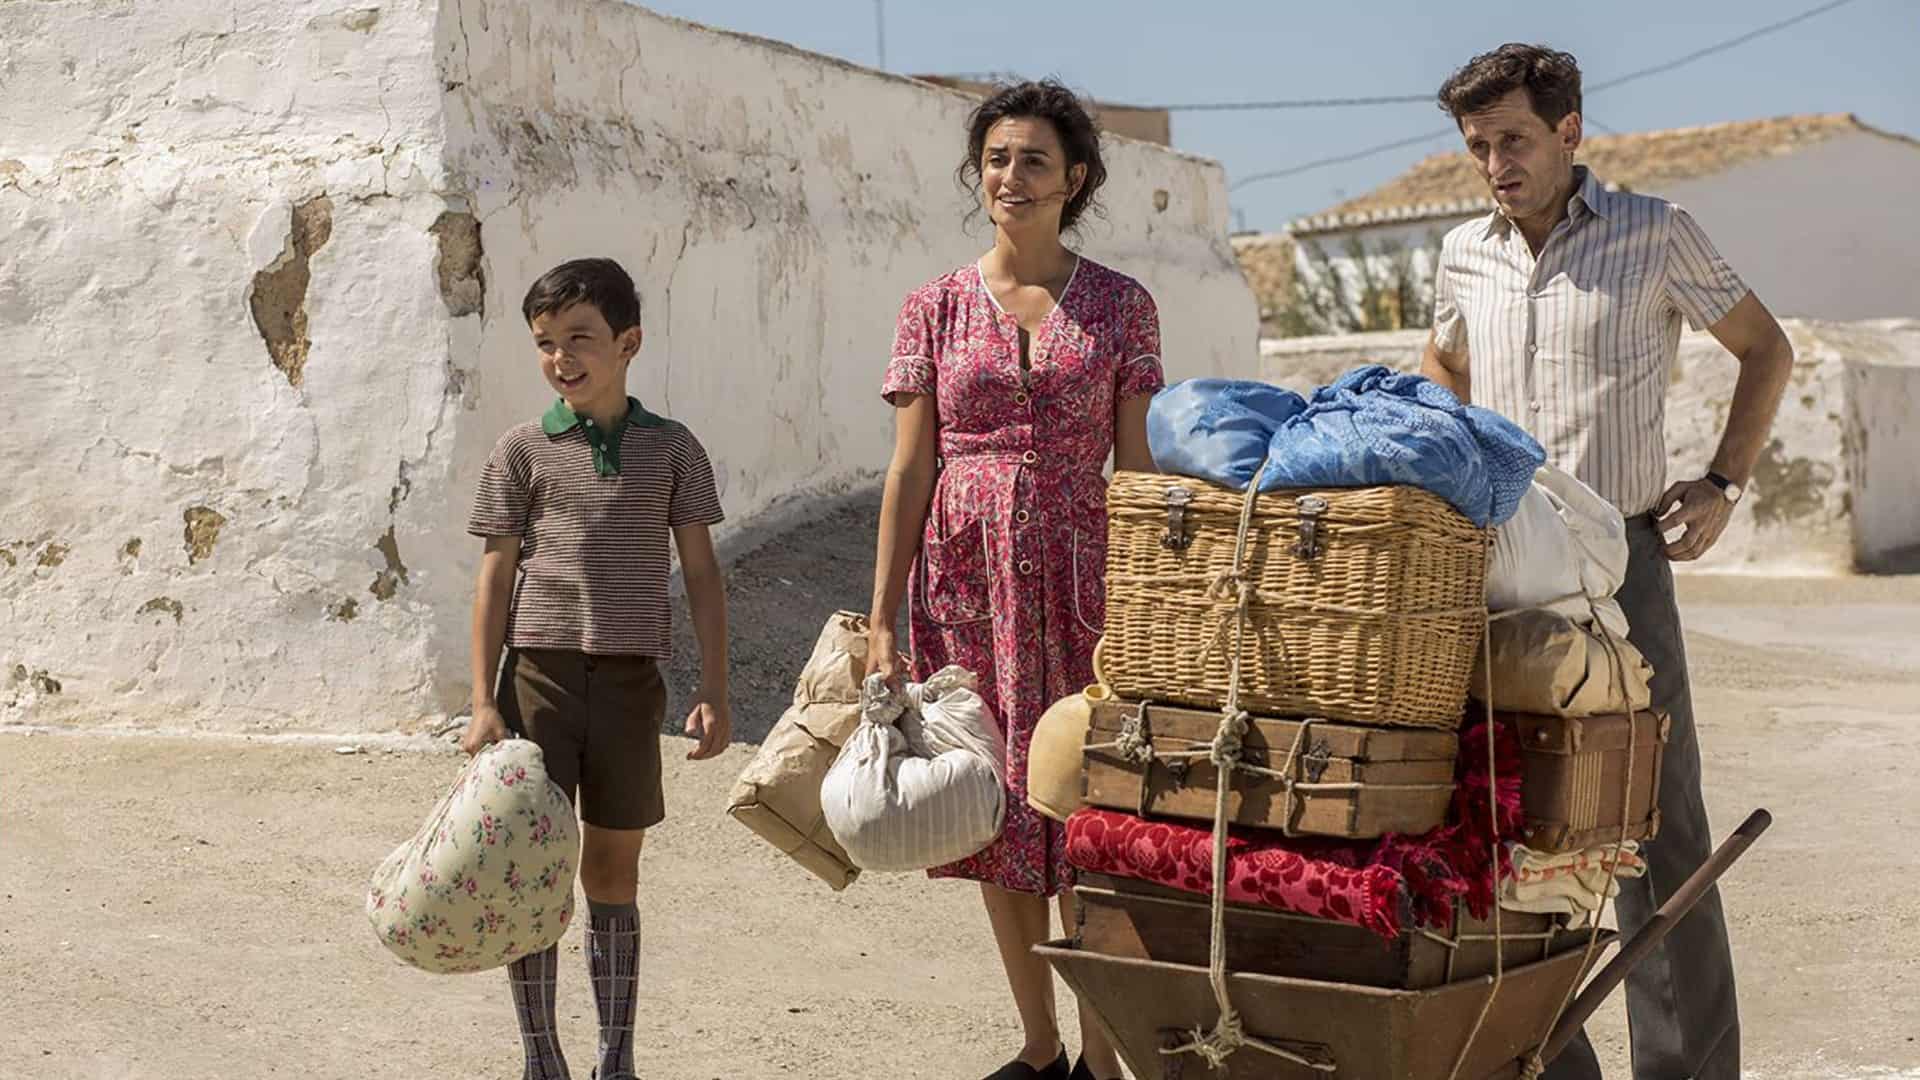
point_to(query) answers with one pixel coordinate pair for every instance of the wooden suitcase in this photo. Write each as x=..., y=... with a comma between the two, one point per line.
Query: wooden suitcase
x=1576, y=784
x=1348, y=781
x=1144, y=921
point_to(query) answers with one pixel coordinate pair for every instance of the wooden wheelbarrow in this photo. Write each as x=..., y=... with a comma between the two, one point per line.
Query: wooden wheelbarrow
x=1329, y=1029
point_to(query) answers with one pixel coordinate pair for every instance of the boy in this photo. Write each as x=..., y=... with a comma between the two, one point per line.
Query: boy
x=579, y=506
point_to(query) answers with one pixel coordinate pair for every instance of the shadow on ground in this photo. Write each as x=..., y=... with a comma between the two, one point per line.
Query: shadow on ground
x=778, y=597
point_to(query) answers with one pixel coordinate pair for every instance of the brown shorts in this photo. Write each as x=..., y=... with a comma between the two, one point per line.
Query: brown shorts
x=597, y=721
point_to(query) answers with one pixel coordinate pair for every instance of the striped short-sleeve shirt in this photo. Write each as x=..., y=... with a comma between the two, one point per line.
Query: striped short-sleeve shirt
x=595, y=545
x=1577, y=345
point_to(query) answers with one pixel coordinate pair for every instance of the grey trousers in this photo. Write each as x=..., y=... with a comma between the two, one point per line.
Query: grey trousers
x=1681, y=1013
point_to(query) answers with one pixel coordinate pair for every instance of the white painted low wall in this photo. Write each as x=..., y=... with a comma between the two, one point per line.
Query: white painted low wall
x=1835, y=488
x=259, y=314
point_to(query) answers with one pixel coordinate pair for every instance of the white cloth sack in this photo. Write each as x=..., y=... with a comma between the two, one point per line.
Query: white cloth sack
x=488, y=879
x=1564, y=550
x=922, y=781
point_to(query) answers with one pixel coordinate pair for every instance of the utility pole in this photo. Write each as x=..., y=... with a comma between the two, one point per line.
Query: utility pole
x=880, y=30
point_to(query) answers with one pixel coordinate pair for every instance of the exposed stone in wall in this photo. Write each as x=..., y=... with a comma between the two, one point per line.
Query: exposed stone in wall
x=166, y=604
x=53, y=554
x=36, y=678
x=463, y=282
x=202, y=532
x=388, y=581
x=279, y=296
x=1788, y=489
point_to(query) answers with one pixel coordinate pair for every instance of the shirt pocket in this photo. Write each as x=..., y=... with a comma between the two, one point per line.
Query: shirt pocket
x=1089, y=558
x=955, y=588
x=1604, y=323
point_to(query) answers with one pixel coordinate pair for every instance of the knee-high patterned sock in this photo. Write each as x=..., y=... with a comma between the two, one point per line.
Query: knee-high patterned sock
x=613, y=960
x=532, y=979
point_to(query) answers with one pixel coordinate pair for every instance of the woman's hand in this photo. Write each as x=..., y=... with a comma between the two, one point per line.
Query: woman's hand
x=883, y=656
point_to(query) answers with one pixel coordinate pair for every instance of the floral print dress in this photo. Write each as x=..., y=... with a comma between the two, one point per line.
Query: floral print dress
x=1010, y=579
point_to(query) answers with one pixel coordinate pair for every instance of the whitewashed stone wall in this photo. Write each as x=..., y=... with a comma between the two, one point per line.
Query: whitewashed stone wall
x=259, y=314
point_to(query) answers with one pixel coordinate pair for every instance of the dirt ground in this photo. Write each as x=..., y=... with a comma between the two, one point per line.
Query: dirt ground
x=183, y=907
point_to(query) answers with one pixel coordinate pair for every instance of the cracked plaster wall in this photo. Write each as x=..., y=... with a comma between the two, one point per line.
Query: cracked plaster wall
x=259, y=314
x=774, y=207
x=208, y=509
x=1835, y=488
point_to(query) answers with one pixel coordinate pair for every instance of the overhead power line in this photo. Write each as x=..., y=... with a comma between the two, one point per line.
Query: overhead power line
x=1718, y=47
x=1294, y=103
x=1657, y=69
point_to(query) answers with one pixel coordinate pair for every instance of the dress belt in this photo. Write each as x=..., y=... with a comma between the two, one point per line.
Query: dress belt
x=1024, y=457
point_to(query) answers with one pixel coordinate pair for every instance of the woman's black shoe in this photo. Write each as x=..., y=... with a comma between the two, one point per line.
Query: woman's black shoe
x=1080, y=1071
x=1020, y=1070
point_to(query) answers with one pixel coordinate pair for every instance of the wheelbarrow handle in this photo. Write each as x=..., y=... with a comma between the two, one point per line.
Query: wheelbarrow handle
x=1654, y=931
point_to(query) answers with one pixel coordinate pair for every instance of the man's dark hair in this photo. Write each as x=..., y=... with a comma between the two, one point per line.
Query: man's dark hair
x=1551, y=79
x=1044, y=100
x=600, y=282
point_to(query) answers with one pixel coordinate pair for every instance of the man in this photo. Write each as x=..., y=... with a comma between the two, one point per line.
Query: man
x=1562, y=310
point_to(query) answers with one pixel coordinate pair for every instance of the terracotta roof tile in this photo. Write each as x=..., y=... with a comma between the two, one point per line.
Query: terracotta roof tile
x=1639, y=161
x=1267, y=261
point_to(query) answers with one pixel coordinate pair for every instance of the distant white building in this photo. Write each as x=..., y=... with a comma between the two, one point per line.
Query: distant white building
x=1815, y=212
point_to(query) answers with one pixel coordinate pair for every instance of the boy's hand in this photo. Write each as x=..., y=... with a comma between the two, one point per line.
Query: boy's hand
x=486, y=728
x=712, y=724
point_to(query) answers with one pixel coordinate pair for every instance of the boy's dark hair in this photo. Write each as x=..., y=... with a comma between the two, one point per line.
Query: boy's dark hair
x=1551, y=79
x=1044, y=100
x=600, y=282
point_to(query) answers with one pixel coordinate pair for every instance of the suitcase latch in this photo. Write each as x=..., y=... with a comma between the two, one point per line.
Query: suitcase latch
x=1176, y=771
x=1314, y=763
x=1178, y=536
x=1310, y=508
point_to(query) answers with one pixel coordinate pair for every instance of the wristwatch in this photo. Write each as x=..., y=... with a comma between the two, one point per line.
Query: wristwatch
x=1727, y=487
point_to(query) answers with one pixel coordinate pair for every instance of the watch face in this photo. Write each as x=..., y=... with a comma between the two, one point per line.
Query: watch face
x=1733, y=492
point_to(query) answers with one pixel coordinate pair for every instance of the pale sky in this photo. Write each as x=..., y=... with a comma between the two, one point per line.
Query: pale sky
x=1863, y=58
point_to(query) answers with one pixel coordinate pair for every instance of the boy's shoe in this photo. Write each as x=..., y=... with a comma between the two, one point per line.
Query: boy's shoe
x=1020, y=1070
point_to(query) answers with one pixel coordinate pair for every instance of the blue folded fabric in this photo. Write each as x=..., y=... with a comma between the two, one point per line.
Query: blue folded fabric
x=1371, y=426
x=1217, y=429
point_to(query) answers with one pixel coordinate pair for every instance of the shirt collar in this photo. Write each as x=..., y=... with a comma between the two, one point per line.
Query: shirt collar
x=1589, y=196
x=560, y=419
x=1591, y=193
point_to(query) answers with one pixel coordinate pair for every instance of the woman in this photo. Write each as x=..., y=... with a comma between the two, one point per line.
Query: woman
x=1013, y=379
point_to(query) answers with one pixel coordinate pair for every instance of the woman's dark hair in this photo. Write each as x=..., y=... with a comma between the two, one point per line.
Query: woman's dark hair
x=1044, y=100
x=1550, y=78
x=600, y=282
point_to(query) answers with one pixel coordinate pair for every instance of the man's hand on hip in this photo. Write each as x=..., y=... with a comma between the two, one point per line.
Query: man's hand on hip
x=1699, y=505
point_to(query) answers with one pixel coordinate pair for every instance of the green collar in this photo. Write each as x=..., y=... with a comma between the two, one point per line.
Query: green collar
x=560, y=419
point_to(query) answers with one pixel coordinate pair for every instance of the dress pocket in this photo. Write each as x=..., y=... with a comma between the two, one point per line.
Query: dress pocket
x=954, y=584
x=1090, y=579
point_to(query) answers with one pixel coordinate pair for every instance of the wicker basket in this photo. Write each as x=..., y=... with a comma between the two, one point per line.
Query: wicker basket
x=1365, y=604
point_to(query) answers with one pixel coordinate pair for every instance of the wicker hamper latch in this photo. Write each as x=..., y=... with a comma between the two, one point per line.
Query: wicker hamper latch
x=1310, y=507
x=1177, y=537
